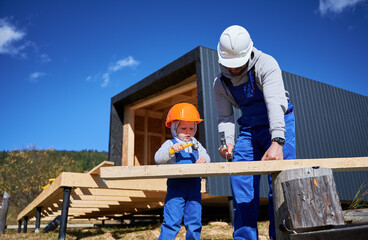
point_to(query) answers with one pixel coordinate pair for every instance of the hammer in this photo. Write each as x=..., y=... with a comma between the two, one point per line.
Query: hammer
x=193, y=143
x=223, y=144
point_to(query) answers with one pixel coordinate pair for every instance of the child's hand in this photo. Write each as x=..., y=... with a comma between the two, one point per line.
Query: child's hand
x=201, y=160
x=177, y=147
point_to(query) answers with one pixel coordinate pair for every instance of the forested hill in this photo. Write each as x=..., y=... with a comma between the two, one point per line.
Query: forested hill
x=84, y=160
x=24, y=172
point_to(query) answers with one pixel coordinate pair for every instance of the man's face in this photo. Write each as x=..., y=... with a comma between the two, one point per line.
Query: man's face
x=237, y=71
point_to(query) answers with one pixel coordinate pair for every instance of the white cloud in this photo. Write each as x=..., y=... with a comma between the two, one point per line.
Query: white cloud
x=45, y=58
x=336, y=6
x=113, y=67
x=9, y=35
x=126, y=62
x=106, y=79
x=33, y=77
x=13, y=42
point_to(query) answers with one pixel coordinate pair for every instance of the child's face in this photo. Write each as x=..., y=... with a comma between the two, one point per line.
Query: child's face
x=185, y=130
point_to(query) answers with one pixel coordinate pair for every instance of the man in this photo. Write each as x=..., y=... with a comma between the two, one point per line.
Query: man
x=252, y=81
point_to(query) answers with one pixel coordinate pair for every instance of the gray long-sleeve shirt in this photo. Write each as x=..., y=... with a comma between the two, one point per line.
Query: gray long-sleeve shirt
x=162, y=155
x=269, y=80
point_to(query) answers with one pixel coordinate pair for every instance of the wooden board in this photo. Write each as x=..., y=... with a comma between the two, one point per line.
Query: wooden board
x=96, y=170
x=230, y=168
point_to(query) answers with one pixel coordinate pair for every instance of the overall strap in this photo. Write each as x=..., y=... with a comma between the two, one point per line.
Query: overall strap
x=225, y=81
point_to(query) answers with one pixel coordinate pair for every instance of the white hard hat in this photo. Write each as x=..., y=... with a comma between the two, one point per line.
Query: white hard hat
x=234, y=47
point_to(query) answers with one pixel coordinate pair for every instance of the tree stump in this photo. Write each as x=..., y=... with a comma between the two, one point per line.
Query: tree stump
x=305, y=199
x=4, y=212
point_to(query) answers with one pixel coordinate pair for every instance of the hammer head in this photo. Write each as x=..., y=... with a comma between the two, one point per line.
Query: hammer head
x=223, y=141
x=195, y=144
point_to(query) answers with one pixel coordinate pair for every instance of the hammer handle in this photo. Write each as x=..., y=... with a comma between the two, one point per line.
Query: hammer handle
x=171, y=151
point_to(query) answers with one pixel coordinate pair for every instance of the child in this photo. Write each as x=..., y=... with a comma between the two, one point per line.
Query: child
x=183, y=196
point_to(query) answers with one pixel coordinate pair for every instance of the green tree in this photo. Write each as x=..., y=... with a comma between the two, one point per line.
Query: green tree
x=3, y=155
x=24, y=173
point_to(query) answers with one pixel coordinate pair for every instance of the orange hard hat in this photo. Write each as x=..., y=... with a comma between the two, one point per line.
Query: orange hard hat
x=184, y=112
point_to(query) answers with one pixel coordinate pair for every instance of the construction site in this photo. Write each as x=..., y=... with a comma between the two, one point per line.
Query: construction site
x=131, y=187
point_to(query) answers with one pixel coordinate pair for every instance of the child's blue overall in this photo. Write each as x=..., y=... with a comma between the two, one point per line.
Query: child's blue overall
x=183, y=199
x=253, y=141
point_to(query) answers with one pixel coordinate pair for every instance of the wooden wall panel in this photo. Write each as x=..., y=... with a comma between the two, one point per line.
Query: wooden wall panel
x=138, y=149
x=155, y=125
x=155, y=144
x=139, y=123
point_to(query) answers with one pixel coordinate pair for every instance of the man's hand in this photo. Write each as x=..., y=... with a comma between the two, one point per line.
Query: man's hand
x=201, y=160
x=274, y=152
x=227, y=154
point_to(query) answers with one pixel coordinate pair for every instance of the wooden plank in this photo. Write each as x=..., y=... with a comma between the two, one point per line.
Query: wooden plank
x=70, y=179
x=100, y=198
x=356, y=216
x=145, y=141
x=163, y=96
x=43, y=196
x=168, y=103
x=93, y=203
x=230, y=168
x=100, y=192
x=82, y=206
x=151, y=114
x=89, y=184
x=96, y=170
x=128, y=137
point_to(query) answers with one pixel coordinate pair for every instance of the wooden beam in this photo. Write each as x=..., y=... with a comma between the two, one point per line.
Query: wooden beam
x=128, y=137
x=100, y=198
x=168, y=103
x=231, y=168
x=151, y=114
x=96, y=170
x=43, y=196
x=85, y=180
x=90, y=184
x=101, y=192
x=145, y=141
x=163, y=96
x=93, y=203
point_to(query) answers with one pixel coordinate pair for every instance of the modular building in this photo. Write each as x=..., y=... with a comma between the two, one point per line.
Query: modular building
x=330, y=122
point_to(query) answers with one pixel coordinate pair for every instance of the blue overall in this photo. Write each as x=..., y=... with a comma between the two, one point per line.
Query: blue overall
x=183, y=199
x=253, y=141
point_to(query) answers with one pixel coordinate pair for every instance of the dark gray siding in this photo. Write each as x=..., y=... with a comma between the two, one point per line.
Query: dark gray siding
x=116, y=136
x=330, y=123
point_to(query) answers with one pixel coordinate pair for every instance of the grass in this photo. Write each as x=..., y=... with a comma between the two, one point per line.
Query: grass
x=358, y=201
x=210, y=231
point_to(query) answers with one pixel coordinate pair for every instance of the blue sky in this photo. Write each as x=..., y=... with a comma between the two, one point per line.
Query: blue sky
x=62, y=61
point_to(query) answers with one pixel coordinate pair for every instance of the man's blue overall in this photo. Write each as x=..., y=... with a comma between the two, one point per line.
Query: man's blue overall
x=253, y=141
x=183, y=199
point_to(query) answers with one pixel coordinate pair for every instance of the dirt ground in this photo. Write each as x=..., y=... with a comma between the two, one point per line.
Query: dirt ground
x=212, y=230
